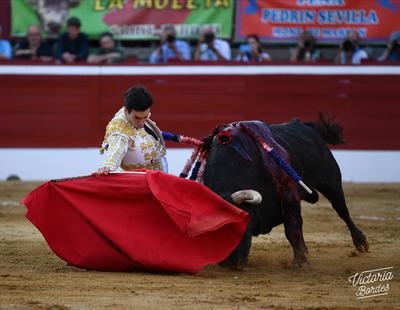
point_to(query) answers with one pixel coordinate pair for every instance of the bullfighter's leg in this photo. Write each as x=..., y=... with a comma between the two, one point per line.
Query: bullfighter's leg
x=293, y=223
x=335, y=196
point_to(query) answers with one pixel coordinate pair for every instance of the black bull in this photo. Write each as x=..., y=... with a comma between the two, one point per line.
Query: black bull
x=236, y=162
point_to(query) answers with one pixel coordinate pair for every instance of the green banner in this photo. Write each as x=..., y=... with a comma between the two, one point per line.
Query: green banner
x=126, y=19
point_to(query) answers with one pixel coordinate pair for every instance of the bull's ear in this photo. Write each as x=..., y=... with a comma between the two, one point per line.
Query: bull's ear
x=226, y=137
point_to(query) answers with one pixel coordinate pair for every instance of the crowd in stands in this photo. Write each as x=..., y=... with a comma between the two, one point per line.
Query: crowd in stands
x=73, y=46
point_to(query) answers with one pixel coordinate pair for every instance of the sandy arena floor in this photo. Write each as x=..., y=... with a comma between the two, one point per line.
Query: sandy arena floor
x=32, y=277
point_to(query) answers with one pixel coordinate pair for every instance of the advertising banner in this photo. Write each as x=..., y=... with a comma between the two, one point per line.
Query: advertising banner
x=126, y=19
x=328, y=20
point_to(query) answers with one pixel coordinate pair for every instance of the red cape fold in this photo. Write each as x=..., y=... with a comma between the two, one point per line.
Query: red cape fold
x=136, y=221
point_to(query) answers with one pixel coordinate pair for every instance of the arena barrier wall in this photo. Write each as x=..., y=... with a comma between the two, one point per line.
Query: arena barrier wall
x=69, y=106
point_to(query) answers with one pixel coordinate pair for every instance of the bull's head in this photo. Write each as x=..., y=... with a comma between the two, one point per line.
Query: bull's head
x=230, y=169
x=53, y=13
x=243, y=196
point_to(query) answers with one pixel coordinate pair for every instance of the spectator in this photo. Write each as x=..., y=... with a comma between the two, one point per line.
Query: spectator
x=72, y=45
x=211, y=48
x=392, y=52
x=350, y=52
x=306, y=49
x=252, y=51
x=108, y=52
x=170, y=47
x=33, y=47
x=5, y=48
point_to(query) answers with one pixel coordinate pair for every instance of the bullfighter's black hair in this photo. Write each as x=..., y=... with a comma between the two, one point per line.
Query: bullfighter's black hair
x=137, y=98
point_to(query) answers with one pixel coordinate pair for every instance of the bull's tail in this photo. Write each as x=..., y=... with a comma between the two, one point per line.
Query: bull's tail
x=331, y=132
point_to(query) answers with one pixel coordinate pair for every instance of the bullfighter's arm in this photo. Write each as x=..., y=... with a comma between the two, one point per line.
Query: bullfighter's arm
x=117, y=148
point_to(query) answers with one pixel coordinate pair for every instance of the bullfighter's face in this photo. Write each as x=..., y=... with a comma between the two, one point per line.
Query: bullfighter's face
x=137, y=118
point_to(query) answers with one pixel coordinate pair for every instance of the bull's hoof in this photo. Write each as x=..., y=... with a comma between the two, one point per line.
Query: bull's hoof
x=301, y=262
x=360, y=241
x=239, y=266
x=302, y=265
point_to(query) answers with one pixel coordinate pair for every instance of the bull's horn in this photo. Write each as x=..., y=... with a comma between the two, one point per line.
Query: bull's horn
x=249, y=196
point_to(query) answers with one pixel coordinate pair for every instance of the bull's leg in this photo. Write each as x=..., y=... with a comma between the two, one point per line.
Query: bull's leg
x=238, y=259
x=335, y=196
x=302, y=238
x=293, y=223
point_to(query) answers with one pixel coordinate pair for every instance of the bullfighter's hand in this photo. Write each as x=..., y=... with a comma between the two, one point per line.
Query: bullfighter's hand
x=103, y=171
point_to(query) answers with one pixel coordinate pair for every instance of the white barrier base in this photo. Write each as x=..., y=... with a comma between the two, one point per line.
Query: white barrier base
x=53, y=163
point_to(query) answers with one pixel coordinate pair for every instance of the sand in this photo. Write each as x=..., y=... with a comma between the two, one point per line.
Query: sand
x=32, y=277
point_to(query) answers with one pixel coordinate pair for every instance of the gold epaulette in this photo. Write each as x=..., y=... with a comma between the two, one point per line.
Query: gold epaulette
x=118, y=126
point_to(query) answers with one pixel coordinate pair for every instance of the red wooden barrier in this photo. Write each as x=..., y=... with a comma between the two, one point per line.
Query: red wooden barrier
x=72, y=111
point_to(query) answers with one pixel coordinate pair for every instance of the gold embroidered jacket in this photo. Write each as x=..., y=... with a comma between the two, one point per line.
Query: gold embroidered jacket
x=131, y=148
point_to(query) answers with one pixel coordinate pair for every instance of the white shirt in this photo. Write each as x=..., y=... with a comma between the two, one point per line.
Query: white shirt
x=356, y=58
x=220, y=45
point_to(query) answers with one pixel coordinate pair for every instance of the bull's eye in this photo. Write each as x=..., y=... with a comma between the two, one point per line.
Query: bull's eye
x=225, y=137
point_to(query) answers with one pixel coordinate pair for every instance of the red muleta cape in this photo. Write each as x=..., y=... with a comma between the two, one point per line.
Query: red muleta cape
x=136, y=221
